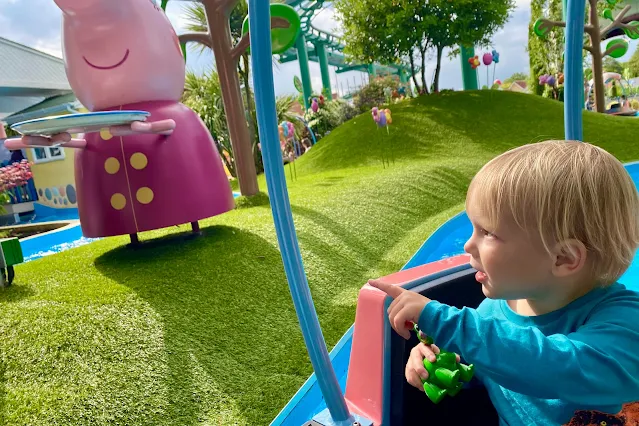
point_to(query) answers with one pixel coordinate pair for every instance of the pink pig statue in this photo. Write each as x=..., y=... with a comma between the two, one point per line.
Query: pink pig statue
x=125, y=55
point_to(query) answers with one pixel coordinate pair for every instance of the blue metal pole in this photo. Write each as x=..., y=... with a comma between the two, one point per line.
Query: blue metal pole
x=261, y=53
x=573, y=69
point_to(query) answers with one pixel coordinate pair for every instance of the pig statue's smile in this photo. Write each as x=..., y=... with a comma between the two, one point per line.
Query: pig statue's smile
x=110, y=67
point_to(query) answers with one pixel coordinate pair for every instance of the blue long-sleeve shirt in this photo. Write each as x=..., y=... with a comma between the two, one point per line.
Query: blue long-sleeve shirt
x=542, y=369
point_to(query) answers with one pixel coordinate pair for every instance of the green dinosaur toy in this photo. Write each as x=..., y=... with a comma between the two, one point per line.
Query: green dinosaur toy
x=446, y=376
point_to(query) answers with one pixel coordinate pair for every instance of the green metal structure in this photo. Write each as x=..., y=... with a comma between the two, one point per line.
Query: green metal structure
x=10, y=255
x=469, y=75
x=327, y=49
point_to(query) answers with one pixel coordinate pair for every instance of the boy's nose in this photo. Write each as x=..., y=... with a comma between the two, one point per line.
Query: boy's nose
x=469, y=246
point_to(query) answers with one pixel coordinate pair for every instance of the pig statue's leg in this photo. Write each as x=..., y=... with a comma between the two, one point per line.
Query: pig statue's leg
x=196, y=228
x=135, y=241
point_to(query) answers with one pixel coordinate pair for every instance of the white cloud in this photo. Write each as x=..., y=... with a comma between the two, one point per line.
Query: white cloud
x=174, y=11
x=51, y=46
x=326, y=20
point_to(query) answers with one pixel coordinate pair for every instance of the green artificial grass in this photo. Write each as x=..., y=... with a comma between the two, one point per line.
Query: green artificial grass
x=204, y=331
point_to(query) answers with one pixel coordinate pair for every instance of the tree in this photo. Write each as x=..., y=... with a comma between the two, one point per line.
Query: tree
x=612, y=65
x=384, y=30
x=203, y=94
x=227, y=53
x=462, y=23
x=372, y=94
x=633, y=64
x=195, y=16
x=615, y=48
x=545, y=55
x=515, y=77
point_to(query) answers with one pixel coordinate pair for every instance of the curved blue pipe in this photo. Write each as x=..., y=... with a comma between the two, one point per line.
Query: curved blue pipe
x=261, y=54
x=573, y=70
x=307, y=127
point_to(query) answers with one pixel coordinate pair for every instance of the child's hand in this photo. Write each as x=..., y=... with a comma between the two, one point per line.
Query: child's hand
x=415, y=371
x=407, y=306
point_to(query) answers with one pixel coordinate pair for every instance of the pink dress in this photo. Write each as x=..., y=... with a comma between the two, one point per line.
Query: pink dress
x=142, y=182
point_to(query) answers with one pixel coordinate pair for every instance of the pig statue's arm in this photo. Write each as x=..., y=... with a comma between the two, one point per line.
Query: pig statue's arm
x=162, y=127
x=61, y=139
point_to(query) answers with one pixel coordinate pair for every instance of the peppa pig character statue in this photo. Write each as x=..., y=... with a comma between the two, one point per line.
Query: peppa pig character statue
x=125, y=55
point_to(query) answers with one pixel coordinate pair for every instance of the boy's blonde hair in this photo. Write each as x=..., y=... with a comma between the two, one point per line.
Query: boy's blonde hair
x=565, y=190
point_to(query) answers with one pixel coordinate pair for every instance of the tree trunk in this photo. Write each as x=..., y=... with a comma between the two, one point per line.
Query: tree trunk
x=597, y=59
x=438, y=68
x=424, y=84
x=222, y=43
x=249, y=99
x=414, y=73
x=250, y=108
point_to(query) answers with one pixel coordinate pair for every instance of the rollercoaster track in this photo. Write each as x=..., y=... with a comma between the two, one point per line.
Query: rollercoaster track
x=308, y=10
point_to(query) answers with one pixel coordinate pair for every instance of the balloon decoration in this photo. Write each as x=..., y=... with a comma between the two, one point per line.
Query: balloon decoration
x=474, y=62
x=552, y=82
x=495, y=55
x=289, y=145
x=315, y=105
x=487, y=58
x=383, y=118
x=389, y=119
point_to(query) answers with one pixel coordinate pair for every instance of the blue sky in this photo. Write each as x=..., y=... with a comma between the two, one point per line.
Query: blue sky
x=42, y=31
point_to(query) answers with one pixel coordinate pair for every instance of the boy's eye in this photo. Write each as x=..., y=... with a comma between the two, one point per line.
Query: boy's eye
x=485, y=233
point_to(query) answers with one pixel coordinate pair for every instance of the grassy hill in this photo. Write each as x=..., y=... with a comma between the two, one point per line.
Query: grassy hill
x=204, y=331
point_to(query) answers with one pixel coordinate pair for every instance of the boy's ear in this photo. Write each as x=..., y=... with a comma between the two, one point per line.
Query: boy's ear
x=569, y=257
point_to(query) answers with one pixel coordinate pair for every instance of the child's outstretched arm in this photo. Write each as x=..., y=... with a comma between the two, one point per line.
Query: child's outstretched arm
x=598, y=364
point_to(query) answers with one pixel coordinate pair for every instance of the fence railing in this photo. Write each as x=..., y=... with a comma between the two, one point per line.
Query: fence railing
x=24, y=193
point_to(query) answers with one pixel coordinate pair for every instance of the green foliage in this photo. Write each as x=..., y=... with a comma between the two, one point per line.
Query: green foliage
x=633, y=64
x=10, y=132
x=515, y=77
x=372, y=95
x=202, y=93
x=329, y=116
x=545, y=54
x=587, y=74
x=615, y=90
x=612, y=65
x=196, y=20
x=385, y=30
x=283, y=109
